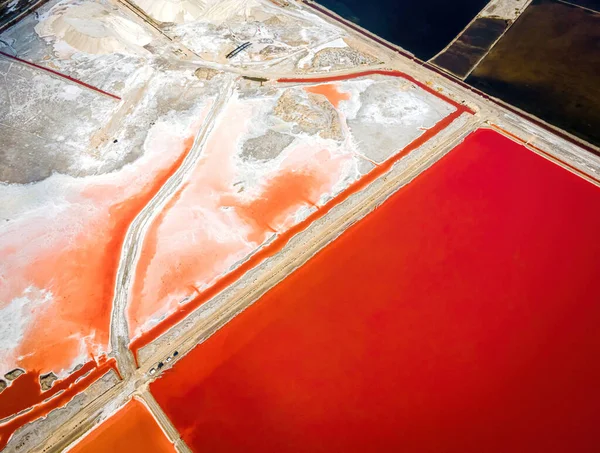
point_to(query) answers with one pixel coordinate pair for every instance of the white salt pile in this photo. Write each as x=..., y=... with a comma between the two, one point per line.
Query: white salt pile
x=92, y=28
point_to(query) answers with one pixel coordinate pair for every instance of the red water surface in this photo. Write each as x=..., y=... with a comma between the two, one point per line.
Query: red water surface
x=330, y=91
x=132, y=429
x=460, y=316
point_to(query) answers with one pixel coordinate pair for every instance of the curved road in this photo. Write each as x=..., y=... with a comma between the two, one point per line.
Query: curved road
x=119, y=329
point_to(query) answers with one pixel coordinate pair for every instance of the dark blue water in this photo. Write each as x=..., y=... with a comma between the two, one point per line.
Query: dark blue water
x=423, y=27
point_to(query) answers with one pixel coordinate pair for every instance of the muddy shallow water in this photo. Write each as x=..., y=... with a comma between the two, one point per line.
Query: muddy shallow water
x=471, y=46
x=547, y=64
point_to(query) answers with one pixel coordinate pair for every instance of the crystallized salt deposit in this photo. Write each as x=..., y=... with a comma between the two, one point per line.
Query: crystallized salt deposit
x=176, y=11
x=182, y=11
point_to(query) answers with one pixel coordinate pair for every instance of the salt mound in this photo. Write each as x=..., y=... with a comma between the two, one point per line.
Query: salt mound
x=176, y=11
x=92, y=28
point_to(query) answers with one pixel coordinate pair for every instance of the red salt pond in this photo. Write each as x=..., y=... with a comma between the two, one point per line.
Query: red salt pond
x=132, y=429
x=460, y=316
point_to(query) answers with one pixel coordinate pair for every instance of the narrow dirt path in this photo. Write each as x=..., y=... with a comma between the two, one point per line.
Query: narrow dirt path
x=119, y=329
